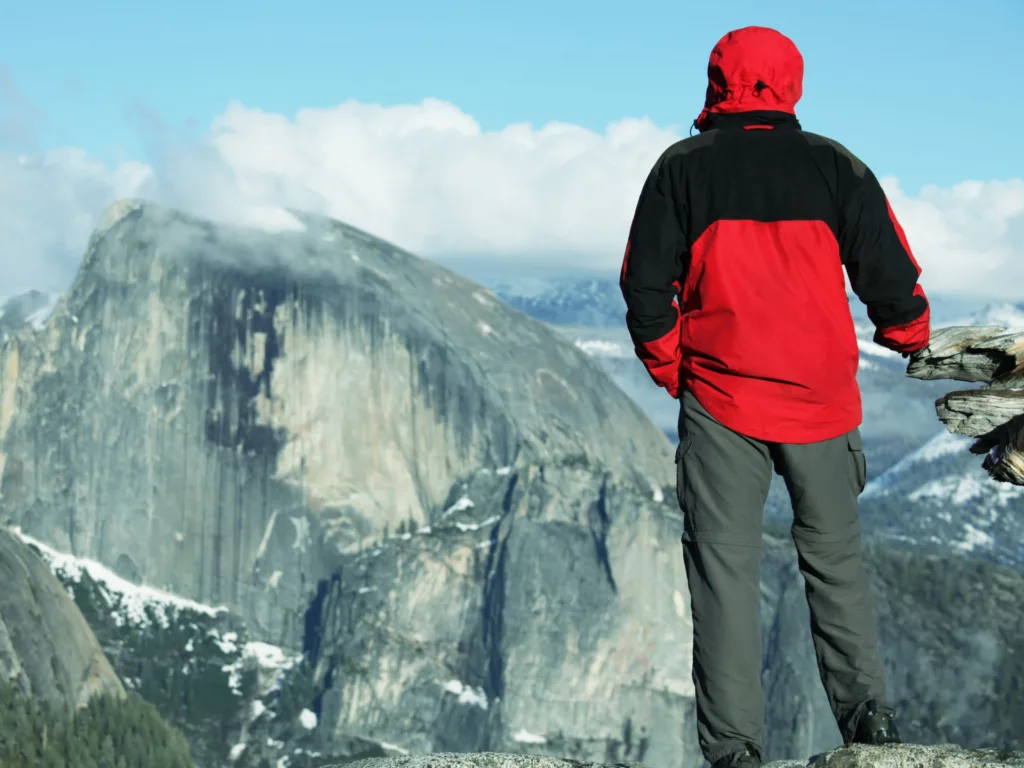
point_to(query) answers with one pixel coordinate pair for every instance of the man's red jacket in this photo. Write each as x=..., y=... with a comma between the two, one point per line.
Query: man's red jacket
x=733, y=271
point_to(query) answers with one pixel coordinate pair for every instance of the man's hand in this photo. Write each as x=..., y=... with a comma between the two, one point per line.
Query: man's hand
x=914, y=355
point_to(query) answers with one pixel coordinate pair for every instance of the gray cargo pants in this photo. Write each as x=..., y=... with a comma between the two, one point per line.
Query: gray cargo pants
x=722, y=485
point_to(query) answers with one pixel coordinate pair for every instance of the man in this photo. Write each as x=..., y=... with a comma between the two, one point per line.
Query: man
x=733, y=279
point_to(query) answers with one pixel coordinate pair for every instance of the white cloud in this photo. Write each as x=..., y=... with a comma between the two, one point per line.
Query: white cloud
x=428, y=178
x=49, y=203
x=968, y=238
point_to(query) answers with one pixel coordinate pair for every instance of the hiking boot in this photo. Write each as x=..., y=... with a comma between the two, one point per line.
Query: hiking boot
x=876, y=725
x=747, y=758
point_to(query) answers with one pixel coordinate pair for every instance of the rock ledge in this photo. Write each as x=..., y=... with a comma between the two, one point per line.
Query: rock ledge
x=908, y=756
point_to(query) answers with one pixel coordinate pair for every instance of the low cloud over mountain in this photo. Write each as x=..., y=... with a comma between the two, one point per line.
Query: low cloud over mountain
x=428, y=177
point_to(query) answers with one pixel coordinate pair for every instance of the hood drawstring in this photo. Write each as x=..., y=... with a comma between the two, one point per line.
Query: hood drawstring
x=742, y=55
x=759, y=86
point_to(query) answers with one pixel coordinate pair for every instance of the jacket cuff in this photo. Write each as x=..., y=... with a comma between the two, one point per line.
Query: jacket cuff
x=907, y=338
x=662, y=358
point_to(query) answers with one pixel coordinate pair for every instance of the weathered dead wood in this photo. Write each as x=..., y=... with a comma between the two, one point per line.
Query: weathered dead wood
x=993, y=413
x=977, y=412
x=1004, y=452
x=965, y=353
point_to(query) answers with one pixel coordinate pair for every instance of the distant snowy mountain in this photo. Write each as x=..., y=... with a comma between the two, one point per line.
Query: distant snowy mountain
x=1005, y=314
x=592, y=303
x=939, y=497
x=899, y=413
x=597, y=302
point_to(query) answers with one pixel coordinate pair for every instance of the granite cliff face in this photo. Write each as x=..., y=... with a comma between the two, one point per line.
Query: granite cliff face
x=411, y=651
x=538, y=618
x=234, y=416
x=952, y=642
x=221, y=412
x=45, y=644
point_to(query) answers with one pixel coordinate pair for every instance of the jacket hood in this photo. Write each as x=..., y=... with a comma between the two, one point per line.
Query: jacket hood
x=752, y=69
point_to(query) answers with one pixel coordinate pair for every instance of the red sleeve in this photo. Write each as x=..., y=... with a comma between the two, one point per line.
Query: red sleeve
x=662, y=358
x=912, y=336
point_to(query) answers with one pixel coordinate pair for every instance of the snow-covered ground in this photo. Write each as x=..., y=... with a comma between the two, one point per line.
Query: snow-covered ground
x=140, y=606
x=198, y=644
x=135, y=604
x=943, y=444
x=940, y=496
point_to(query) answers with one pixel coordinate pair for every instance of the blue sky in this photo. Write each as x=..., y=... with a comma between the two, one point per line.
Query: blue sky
x=921, y=90
x=508, y=137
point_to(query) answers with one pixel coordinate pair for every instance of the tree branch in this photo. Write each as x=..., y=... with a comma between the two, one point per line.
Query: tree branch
x=994, y=413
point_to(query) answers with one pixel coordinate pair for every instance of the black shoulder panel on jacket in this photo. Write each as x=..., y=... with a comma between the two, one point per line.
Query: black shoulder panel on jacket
x=689, y=144
x=857, y=166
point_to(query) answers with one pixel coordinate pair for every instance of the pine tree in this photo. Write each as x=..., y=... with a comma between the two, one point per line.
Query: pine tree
x=109, y=733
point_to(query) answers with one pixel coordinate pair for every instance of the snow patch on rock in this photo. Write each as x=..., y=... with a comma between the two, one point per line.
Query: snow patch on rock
x=129, y=602
x=467, y=694
x=525, y=737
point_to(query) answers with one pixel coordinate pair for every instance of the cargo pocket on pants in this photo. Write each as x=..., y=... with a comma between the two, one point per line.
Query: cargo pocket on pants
x=685, y=443
x=860, y=462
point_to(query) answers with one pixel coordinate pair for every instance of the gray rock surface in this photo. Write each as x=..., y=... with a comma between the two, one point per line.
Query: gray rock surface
x=906, y=756
x=475, y=760
x=45, y=644
x=937, y=756
x=559, y=624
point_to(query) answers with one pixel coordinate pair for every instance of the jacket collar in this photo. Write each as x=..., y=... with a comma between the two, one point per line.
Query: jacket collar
x=753, y=120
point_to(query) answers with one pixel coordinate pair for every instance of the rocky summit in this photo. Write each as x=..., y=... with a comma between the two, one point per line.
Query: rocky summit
x=906, y=756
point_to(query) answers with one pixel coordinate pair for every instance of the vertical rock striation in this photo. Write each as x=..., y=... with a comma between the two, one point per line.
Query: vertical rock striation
x=223, y=412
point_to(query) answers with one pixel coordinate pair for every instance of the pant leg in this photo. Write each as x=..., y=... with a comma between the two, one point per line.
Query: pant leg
x=824, y=481
x=722, y=481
